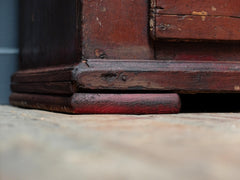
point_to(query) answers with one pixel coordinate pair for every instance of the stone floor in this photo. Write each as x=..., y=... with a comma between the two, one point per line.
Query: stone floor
x=39, y=145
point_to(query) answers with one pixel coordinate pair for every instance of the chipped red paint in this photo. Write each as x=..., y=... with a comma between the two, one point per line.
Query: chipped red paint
x=92, y=103
x=125, y=103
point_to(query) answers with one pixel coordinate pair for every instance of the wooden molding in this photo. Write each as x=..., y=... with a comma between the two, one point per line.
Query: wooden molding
x=122, y=86
x=133, y=75
x=147, y=75
x=85, y=103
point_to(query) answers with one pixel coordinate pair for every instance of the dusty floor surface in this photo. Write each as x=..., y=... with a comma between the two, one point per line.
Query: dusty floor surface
x=39, y=145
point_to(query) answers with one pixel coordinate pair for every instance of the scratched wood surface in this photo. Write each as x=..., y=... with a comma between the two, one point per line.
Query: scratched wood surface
x=210, y=7
x=60, y=32
x=116, y=29
x=100, y=103
x=201, y=20
x=41, y=145
x=197, y=27
x=176, y=76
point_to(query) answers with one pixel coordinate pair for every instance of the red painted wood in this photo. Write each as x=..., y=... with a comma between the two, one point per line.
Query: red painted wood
x=115, y=29
x=211, y=7
x=175, y=76
x=192, y=27
x=60, y=32
x=125, y=103
x=197, y=51
x=82, y=103
x=195, y=20
x=63, y=33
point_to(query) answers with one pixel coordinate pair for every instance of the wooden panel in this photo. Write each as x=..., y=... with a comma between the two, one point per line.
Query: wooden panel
x=116, y=29
x=208, y=20
x=197, y=27
x=207, y=7
x=50, y=33
x=177, y=76
x=60, y=32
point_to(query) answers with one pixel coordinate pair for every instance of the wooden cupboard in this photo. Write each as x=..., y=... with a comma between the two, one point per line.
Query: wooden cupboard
x=101, y=56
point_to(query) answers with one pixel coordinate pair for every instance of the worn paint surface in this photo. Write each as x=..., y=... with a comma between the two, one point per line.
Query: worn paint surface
x=175, y=76
x=125, y=103
x=208, y=20
x=197, y=27
x=60, y=33
x=206, y=7
x=95, y=103
x=116, y=30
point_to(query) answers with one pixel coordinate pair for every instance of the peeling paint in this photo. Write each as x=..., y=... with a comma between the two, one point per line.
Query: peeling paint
x=151, y=24
x=164, y=27
x=99, y=22
x=214, y=8
x=203, y=14
x=104, y=9
x=237, y=88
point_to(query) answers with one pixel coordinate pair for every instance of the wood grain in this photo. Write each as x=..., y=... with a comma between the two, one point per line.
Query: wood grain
x=51, y=80
x=115, y=30
x=195, y=20
x=177, y=76
x=59, y=32
x=50, y=33
x=189, y=7
x=192, y=27
x=56, y=74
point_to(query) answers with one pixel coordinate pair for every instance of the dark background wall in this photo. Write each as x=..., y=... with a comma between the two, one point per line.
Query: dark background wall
x=8, y=45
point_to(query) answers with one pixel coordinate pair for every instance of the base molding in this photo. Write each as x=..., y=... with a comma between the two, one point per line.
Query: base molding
x=121, y=86
x=160, y=75
x=93, y=103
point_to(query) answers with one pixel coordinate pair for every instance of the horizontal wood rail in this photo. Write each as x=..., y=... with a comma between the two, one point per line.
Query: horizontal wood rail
x=176, y=76
x=95, y=103
x=195, y=20
x=133, y=75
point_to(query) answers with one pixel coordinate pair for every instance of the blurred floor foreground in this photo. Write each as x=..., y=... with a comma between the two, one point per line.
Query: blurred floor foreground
x=40, y=145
